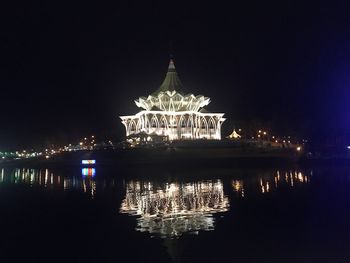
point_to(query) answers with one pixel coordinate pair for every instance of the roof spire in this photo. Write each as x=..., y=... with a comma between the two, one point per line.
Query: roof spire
x=171, y=67
x=171, y=81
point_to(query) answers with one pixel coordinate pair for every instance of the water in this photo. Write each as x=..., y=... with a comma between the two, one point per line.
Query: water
x=159, y=215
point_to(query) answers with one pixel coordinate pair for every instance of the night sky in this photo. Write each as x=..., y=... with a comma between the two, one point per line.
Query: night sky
x=70, y=69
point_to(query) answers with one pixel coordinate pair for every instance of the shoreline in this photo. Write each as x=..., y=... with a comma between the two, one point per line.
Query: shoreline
x=179, y=157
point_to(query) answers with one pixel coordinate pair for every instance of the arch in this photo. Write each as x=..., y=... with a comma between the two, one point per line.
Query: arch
x=211, y=123
x=182, y=122
x=147, y=123
x=163, y=123
x=203, y=127
x=183, y=131
x=212, y=127
x=132, y=127
x=139, y=125
x=154, y=122
x=190, y=122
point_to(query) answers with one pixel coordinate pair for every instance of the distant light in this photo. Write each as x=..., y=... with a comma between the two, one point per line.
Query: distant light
x=80, y=143
x=88, y=172
x=348, y=147
x=264, y=132
x=298, y=148
x=88, y=161
x=47, y=156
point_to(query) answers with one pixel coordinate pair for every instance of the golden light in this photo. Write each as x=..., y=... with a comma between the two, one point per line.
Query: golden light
x=299, y=148
x=234, y=135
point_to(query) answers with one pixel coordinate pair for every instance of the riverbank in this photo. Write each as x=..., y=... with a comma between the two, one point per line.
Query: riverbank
x=177, y=156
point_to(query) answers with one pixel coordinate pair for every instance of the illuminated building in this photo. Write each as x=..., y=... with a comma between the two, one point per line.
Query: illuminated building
x=234, y=135
x=173, y=113
x=176, y=208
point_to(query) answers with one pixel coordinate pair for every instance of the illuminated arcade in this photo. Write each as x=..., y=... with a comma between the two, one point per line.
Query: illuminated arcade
x=173, y=113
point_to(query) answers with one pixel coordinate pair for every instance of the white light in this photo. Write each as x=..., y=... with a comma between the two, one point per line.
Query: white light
x=198, y=124
x=173, y=209
x=88, y=161
x=172, y=114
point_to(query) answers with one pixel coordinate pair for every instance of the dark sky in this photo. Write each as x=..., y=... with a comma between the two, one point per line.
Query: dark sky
x=69, y=69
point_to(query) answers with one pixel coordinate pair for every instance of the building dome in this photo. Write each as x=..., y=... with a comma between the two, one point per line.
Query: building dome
x=171, y=95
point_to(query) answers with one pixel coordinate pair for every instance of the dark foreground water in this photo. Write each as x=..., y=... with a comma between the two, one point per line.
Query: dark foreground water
x=153, y=214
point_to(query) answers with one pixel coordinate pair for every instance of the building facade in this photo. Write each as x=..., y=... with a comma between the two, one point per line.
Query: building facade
x=173, y=113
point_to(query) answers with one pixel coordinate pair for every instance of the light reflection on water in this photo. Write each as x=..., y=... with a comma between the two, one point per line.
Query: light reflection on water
x=165, y=209
x=176, y=208
x=172, y=209
x=50, y=180
x=270, y=182
x=233, y=211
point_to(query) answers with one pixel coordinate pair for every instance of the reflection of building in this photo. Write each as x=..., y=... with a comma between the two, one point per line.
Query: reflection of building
x=176, y=208
x=171, y=112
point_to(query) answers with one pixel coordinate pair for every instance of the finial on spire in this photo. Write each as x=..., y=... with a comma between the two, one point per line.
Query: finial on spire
x=171, y=64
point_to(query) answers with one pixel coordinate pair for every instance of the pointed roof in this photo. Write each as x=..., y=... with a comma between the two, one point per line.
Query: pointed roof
x=234, y=135
x=171, y=82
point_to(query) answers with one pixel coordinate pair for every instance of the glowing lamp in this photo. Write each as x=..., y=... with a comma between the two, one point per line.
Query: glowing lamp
x=88, y=172
x=88, y=161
